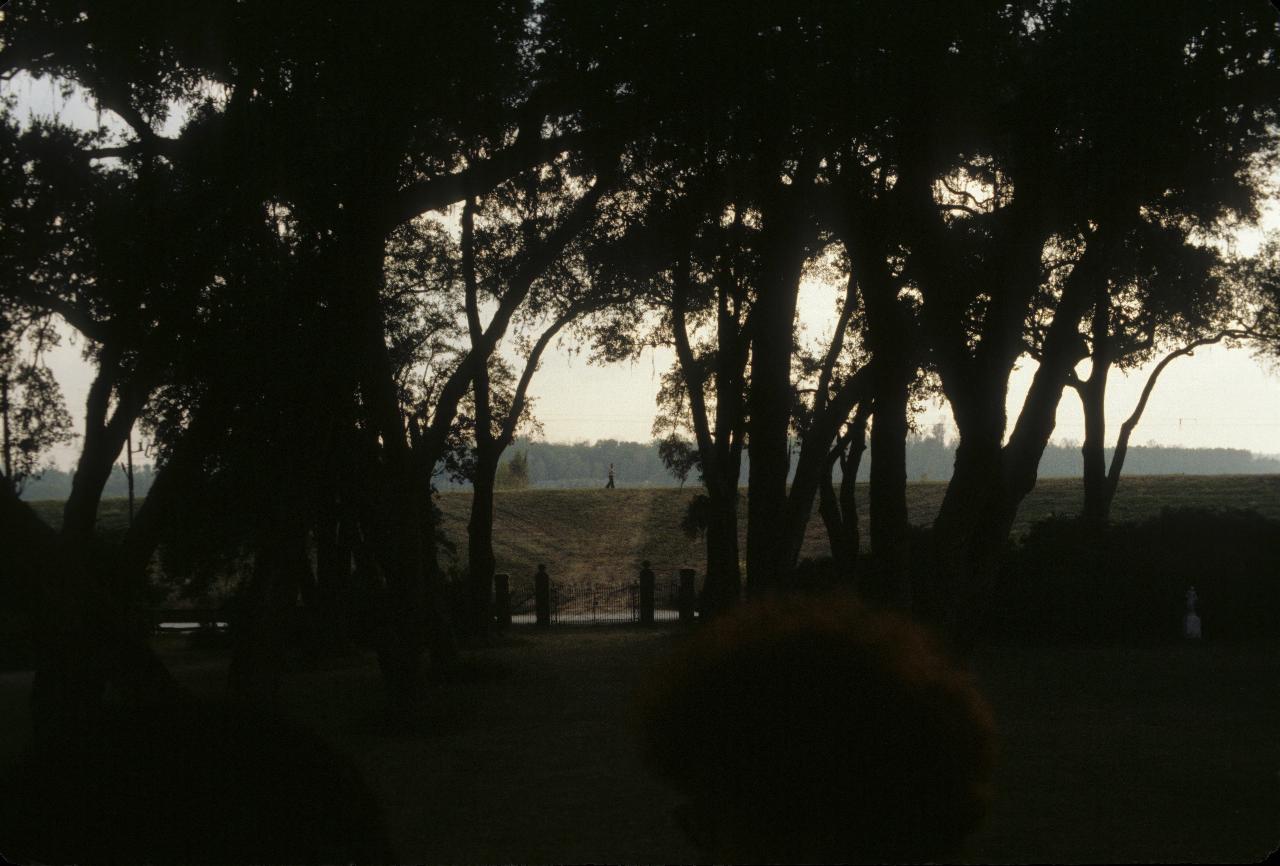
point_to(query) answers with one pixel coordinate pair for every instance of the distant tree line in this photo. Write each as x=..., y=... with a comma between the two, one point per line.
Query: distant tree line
x=56, y=483
x=930, y=457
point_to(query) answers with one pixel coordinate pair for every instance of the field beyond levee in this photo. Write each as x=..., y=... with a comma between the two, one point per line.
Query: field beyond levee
x=604, y=534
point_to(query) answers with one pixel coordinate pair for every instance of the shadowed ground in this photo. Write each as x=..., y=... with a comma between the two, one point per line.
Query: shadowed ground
x=1111, y=754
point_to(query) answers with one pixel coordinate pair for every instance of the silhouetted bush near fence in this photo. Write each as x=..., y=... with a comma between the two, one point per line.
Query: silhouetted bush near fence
x=1064, y=581
x=1129, y=582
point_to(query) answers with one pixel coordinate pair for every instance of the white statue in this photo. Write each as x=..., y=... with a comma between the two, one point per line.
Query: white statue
x=1191, y=625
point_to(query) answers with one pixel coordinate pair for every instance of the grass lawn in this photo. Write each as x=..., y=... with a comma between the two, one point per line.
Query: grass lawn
x=1134, y=754
x=1108, y=754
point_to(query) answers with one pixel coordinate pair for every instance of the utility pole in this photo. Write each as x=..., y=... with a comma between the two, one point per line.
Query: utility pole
x=127, y=466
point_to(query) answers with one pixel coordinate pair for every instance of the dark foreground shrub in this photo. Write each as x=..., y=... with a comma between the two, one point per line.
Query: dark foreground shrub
x=1066, y=582
x=810, y=728
x=817, y=574
x=209, y=784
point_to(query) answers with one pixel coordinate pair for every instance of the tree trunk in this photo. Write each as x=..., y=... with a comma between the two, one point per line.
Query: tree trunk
x=962, y=530
x=1092, y=400
x=480, y=557
x=82, y=643
x=1093, y=393
x=1112, y=481
x=723, y=587
x=892, y=338
x=890, y=581
x=769, y=409
x=990, y=481
x=266, y=615
x=843, y=552
x=720, y=441
x=848, y=497
x=397, y=509
x=333, y=574
x=104, y=437
x=815, y=449
x=479, y=594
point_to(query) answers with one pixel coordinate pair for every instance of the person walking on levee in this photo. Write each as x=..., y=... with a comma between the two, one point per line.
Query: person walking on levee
x=610, y=485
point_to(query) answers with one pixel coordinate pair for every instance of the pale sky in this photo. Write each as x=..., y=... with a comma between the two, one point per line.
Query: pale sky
x=1215, y=398
x=1218, y=398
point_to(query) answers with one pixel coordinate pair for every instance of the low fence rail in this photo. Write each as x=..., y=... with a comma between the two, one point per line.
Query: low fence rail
x=544, y=601
x=182, y=619
x=538, y=601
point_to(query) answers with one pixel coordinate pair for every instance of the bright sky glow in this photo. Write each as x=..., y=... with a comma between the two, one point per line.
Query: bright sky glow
x=1217, y=398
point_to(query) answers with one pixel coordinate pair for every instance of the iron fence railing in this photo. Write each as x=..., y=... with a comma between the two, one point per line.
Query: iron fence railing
x=595, y=600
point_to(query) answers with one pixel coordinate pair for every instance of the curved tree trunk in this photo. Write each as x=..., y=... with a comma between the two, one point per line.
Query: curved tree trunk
x=990, y=479
x=724, y=574
x=839, y=509
x=1127, y=427
x=396, y=511
x=769, y=564
x=480, y=556
x=266, y=614
x=848, y=496
x=104, y=437
x=1093, y=392
x=890, y=581
x=82, y=639
x=891, y=337
x=719, y=441
x=333, y=573
x=1096, y=507
x=965, y=533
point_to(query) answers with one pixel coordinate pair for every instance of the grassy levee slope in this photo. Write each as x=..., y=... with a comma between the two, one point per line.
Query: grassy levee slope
x=604, y=534
x=597, y=534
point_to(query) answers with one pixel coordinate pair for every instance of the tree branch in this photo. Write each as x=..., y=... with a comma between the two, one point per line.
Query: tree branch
x=478, y=177
x=694, y=380
x=837, y=344
x=533, y=265
x=28, y=294
x=1127, y=427
x=531, y=365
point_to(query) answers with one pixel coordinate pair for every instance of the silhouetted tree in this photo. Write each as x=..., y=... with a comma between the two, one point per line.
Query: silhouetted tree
x=839, y=507
x=1010, y=163
x=33, y=416
x=689, y=259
